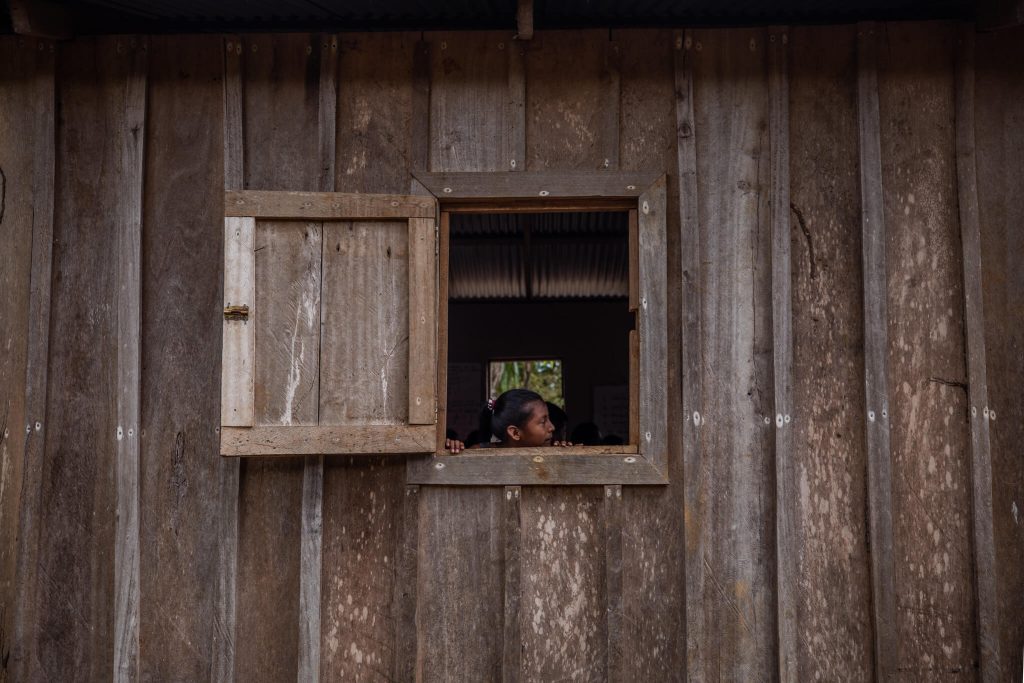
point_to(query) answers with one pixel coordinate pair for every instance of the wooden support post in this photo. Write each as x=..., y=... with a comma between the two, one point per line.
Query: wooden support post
x=42, y=19
x=223, y=650
x=524, y=20
x=986, y=595
x=311, y=552
x=613, y=579
x=129, y=365
x=693, y=406
x=876, y=351
x=405, y=588
x=37, y=362
x=652, y=323
x=787, y=538
x=512, y=650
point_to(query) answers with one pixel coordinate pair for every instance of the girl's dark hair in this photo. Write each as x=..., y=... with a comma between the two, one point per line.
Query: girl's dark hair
x=513, y=408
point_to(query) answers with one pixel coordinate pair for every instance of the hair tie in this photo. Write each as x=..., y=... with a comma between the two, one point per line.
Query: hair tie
x=490, y=404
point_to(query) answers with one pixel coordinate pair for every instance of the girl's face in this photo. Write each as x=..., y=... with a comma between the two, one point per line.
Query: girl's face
x=536, y=431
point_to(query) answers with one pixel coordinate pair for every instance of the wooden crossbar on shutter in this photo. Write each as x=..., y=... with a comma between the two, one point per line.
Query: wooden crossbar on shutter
x=330, y=324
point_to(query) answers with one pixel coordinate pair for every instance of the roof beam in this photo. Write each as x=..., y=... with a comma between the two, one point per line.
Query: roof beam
x=524, y=20
x=41, y=19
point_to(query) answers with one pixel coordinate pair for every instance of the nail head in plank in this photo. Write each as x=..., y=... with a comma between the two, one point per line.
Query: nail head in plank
x=876, y=353
x=985, y=574
x=325, y=205
x=237, y=377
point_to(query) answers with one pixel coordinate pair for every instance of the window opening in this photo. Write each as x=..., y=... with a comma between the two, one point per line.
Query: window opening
x=540, y=301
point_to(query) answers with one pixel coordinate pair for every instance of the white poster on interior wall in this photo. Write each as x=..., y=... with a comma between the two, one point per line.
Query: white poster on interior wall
x=465, y=397
x=611, y=410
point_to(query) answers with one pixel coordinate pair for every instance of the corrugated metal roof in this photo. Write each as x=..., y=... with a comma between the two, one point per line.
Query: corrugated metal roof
x=154, y=16
x=539, y=256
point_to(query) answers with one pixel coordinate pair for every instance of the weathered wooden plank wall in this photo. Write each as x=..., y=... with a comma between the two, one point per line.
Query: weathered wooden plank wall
x=473, y=583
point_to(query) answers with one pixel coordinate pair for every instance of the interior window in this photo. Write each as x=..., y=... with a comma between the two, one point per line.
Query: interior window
x=540, y=301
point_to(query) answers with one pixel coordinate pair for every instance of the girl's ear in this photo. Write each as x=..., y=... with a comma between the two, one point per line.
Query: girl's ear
x=513, y=433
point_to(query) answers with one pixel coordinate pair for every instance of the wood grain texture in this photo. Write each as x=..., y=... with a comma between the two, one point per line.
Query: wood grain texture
x=563, y=601
x=179, y=523
x=468, y=101
x=325, y=439
x=999, y=107
x=787, y=539
x=615, y=650
x=75, y=638
x=422, y=313
x=652, y=325
x=551, y=468
x=128, y=217
x=281, y=105
x=512, y=532
x=422, y=69
x=930, y=436
x=735, y=521
x=370, y=517
x=695, y=470
x=985, y=576
x=229, y=471
x=570, y=92
x=238, y=356
x=834, y=603
x=515, y=135
x=27, y=157
x=545, y=186
x=325, y=204
x=365, y=345
x=876, y=365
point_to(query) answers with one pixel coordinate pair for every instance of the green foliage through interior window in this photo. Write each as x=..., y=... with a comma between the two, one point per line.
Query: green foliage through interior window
x=542, y=376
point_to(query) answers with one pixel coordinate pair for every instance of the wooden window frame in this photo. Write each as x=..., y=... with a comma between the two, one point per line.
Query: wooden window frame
x=645, y=459
x=240, y=436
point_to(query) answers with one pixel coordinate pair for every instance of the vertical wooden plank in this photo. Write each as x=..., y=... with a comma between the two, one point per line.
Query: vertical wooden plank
x=570, y=99
x=469, y=101
x=237, y=387
x=422, y=320
x=834, y=602
x=32, y=211
x=460, y=578
x=516, y=135
x=181, y=357
x=731, y=532
x=999, y=161
x=634, y=260
x=613, y=581
x=985, y=575
x=129, y=364
x=420, y=124
x=404, y=606
x=693, y=469
x=512, y=530
x=787, y=540
x=563, y=590
x=653, y=324
x=611, y=109
x=76, y=603
x=228, y=474
x=282, y=81
x=443, y=259
x=370, y=523
x=876, y=370
x=929, y=446
x=311, y=550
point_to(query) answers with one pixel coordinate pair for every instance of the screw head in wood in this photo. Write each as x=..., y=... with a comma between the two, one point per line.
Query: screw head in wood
x=778, y=420
x=688, y=42
x=696, y=418
x=544, y=193
x=439, y=466
x=786, y=419
x=767, y=420
x=991, y=414
x=647, y=435
x=512, y=163
x=629, y=459
x=646, y=207
x=538, y=458
x=501, y=46
x=39, y=425
x=679, y=42
x=444, y=44
x=871, y=415
x=447, y=190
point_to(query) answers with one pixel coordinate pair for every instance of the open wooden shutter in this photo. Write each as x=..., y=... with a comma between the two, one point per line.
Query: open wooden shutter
x=330, y=324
